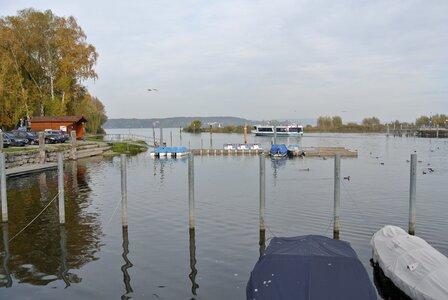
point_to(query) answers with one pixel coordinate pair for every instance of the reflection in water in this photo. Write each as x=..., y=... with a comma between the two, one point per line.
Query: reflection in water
x=7, y=280
x=194, y=272
x=127, y=265
x=38, y=259
x=276, y=164
x=385, y=287
x=63, y=244
x=262, y=242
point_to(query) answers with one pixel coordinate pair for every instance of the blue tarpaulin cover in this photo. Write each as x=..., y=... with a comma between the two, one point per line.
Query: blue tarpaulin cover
x=278, y=149
x=309, y=267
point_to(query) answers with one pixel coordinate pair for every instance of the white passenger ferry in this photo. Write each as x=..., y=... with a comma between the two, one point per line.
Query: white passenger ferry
x=282, y=130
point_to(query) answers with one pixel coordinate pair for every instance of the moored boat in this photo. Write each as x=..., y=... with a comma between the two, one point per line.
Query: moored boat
x=309, y=267
x=413, y=265
x=281, y=130
x=278, y=150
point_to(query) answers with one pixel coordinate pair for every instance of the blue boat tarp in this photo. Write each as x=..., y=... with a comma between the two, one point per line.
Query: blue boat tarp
x=309, y=267
x=278, y=150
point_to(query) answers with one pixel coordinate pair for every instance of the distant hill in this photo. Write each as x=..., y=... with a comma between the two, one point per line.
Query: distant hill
x=176, y=122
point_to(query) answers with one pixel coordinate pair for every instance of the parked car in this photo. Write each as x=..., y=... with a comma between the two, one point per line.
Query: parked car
x=51, y=138
x=32, y=138
x=6, y=141
x=63, y=136
x=15, y=140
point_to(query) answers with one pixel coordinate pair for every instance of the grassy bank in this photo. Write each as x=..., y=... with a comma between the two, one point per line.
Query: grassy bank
x=125, y=148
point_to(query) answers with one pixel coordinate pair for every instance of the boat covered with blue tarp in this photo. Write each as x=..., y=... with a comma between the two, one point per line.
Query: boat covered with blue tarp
x=278, y=150
x=309, y=267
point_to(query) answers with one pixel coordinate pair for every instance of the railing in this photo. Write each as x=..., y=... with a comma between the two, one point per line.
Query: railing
x=115, y=138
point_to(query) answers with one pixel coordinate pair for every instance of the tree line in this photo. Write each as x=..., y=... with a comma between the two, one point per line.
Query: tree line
x=373, y=124
x=44, y=60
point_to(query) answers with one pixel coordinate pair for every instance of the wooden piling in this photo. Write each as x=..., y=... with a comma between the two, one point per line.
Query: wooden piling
x=191, y=221
x=1, y=142
x=3, y=187
x=337, y=195
x=124, y=192
x=41, y=148
x=262, y=191
x=73, y=142
x=61, y=202
x=171, y=139
x=161, y=136
x=412, y=191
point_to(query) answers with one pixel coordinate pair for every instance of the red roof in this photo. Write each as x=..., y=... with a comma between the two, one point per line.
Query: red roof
x=45, y=119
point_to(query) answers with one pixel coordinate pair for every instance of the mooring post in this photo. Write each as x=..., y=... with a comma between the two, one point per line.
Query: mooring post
x=61, y=188
x=124, y=192
x=262, y=240
x=154, y=135
x=3, y=187
x=41, y=148
x=171, y=139
x=337, y=195
x=191, y=190
x=412, y=191
x=245, y=133
x=211, y=139
x=387, y=126
x=275, y=134
x=1, y=142
x=73, y=141
x=161, y=135
x=262, y=191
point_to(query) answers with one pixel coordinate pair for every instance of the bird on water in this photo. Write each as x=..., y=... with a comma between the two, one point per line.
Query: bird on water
x=155, y=90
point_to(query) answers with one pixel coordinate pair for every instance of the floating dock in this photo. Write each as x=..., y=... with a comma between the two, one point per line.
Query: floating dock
x=309, y=152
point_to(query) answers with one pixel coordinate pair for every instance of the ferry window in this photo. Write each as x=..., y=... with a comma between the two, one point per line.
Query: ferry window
x=265, y=129
x=293, y=129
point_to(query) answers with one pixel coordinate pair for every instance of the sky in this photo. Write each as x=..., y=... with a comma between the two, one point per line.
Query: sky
x=261, y=60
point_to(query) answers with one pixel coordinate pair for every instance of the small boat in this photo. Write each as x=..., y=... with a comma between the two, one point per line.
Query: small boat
x=278, y=150
x=309, y=267
x=282, y=130
x=169, y=152
x=413, y=265
x=256, y=146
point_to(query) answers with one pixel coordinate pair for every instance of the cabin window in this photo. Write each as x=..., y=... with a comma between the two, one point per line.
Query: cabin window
x=268, y=129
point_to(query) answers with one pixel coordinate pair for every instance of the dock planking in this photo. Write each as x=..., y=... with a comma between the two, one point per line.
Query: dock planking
x=309, y=152
x=25, y=170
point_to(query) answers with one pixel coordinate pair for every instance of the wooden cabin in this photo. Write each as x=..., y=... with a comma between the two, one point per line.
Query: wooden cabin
x=64, y=123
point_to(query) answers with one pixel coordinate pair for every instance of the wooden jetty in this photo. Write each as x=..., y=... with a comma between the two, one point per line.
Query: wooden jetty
x=24, y=170
x=434, y=132
x=309, y=152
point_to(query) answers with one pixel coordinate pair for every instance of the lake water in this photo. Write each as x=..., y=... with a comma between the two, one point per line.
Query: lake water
x=91, y=257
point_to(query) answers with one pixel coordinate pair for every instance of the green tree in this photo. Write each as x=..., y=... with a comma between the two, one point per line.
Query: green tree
x=195, y=126
x=422, y=121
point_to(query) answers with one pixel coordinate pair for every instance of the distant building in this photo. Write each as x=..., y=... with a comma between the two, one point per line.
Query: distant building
x=64, y=123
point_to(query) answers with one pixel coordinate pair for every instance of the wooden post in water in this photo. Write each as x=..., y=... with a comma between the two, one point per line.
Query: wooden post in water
x=262, y=203
x=161, y=136
x=387, y=134
x=245, y=133
x=41, y=148
x=412, y=191
x=211, y=139
x=154, y=135
x=124, y=192
x=191, y=220
x=73, y=141
x=1, y=142
x=275, y=134
x=337, y=195
x=4, y=197
x=171, y=139
x=61, y=203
